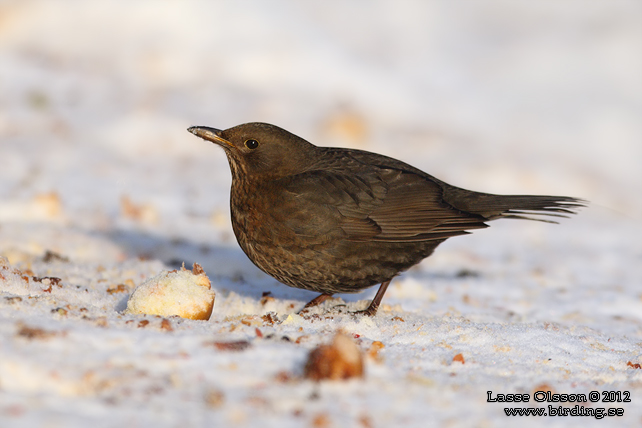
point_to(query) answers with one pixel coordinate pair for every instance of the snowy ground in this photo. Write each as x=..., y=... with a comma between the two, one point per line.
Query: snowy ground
x=102, y=187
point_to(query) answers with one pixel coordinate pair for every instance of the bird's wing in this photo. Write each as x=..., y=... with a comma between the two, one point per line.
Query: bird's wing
x=377, y=204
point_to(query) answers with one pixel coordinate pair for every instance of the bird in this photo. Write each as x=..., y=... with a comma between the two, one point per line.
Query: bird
x=337, y=220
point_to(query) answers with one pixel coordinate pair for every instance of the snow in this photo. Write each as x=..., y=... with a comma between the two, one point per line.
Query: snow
x=102, y=186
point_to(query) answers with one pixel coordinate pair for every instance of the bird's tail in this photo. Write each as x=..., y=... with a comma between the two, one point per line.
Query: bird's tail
x=527, y=207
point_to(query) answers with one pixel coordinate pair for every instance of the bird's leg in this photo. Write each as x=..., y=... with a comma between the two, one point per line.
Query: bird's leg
x=316, y=301
x=370, y=311
x=374, y=305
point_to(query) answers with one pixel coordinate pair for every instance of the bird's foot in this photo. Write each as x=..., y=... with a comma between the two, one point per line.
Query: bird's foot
x=340, y=308
x=315, y=302
x=370, y=311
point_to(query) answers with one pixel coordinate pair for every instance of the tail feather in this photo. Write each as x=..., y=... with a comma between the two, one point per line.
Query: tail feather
x=531, y=207
x=524, y=207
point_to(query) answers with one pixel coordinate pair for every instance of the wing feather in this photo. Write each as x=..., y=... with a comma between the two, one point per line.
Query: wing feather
x=380, y=204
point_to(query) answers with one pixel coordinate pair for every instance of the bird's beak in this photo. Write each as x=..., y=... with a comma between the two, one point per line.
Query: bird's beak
x=210, y=134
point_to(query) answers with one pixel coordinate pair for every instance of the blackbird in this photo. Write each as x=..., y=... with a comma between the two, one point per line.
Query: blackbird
x=335, y=220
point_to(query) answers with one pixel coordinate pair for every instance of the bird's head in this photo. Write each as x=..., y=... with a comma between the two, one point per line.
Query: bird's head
x=260, y=150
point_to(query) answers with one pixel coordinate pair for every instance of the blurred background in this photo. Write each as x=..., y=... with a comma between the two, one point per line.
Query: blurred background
x=501, y=96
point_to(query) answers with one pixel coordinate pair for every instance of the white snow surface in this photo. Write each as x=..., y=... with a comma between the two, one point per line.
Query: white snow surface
x=98, y=172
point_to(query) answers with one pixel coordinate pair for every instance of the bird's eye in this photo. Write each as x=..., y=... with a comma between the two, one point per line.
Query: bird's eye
x=251, y=144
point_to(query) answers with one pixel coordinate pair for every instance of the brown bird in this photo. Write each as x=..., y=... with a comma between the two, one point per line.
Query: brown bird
x=335, y=220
